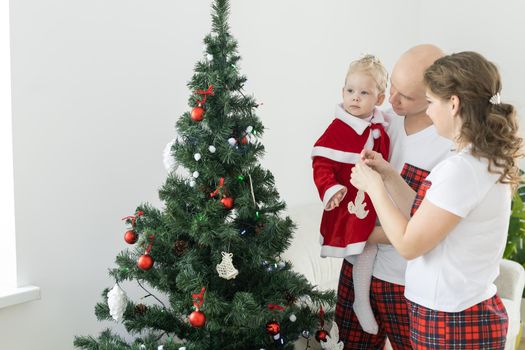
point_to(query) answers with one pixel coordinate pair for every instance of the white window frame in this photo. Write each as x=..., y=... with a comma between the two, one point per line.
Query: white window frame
x=10, y=292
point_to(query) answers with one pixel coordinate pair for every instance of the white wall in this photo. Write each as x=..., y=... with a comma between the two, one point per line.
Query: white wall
x=98, y=85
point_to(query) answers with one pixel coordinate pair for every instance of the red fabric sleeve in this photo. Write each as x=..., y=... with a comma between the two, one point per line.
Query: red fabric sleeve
x=324, y=174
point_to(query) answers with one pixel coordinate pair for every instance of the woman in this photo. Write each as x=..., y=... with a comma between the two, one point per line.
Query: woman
x=457, y=233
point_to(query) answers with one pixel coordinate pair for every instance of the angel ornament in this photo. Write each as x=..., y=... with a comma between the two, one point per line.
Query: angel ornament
x=357, y=207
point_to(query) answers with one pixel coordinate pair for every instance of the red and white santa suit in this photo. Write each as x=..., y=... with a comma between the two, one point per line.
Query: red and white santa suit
x=344, y=230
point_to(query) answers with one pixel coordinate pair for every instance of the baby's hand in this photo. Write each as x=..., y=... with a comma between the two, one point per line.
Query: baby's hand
x=336, y=199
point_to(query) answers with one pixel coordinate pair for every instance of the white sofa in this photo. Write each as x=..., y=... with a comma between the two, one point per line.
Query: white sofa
x=324, y=272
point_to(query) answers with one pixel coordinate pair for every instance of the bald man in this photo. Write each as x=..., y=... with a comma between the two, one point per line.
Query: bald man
x=415, y=149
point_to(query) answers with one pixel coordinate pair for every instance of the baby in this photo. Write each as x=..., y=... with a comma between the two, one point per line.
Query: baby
x=349, y=217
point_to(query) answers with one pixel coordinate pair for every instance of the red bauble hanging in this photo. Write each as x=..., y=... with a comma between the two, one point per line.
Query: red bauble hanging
x=131, y=237
x=197, y=319
x=273, y=327
x=145, y=262
x=197, y=113
x=244, y=140
x=227, y=202
x=321, y=335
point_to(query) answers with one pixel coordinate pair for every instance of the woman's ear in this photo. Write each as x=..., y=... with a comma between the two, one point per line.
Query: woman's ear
x=454, y=105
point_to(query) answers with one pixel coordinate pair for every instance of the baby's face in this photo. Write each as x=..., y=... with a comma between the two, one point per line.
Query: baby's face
x=361, y=95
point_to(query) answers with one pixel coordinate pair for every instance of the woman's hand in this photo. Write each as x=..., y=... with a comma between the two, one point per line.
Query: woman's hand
x=375, y=161
x=365, y=178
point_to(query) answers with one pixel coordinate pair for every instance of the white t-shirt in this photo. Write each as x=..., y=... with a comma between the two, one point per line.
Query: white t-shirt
x=460, y=271
x=419, y=151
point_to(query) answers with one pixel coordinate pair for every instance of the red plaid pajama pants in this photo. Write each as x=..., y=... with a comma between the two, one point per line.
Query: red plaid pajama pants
x=389, y=306
x=482, y=326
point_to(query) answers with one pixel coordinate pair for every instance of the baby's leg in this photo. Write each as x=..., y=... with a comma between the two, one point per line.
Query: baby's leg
x=362, y=274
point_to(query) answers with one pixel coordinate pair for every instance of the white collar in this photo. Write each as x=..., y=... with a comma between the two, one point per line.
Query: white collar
x=358, y=124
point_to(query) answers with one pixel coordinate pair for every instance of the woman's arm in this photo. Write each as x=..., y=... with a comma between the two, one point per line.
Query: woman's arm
x=400, y=192
x=413, y=238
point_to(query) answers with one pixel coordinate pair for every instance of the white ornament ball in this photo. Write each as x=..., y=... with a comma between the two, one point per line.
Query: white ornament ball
x=192, y=183
x=197, y=156
x=281, y=264
x=209, y=57
x=142, y=346
x=182, y=348
x=212, y=149
x=160, y=347
x=232, y=141
x=249, y=129
x=195, y=174
x=293, y=318
x=117, y=302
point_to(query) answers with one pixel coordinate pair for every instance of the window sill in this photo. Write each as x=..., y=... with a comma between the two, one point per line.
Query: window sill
x=19, y=295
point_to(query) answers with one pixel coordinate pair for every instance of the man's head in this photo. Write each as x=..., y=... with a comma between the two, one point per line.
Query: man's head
x=407, y=90
x=365, y=86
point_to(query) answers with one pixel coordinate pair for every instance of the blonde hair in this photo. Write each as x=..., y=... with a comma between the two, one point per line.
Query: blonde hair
x=372, y=66
x=491, y=129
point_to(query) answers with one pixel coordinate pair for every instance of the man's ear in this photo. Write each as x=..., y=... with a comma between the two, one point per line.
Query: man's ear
x=380, y=99
x=454, y=105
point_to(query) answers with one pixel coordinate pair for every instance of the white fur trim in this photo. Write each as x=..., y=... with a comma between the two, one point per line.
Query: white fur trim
x=359, y=125
x=330, y=192
x=341, y=252
x=376, y=133
x=338, y=156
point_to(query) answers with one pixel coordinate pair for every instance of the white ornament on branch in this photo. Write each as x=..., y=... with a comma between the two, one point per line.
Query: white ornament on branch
x=226, y=269
x=117, y=302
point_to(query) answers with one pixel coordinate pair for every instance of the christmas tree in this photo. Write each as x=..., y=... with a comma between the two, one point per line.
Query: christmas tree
x=214, y=250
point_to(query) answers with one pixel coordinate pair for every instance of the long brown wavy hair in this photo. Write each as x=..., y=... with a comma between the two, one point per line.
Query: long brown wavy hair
x=491, y=129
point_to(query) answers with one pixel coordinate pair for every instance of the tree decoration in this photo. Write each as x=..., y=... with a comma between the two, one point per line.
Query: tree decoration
x=321, y=334
x=197, y=113
x=273, y=328
x=179, y=247
x=197, y=318
x=131, y=236
x=332, y=342
x=227, y=202
x=145, y=261
x=225, y=268
x=140, y=309
x=117, y=301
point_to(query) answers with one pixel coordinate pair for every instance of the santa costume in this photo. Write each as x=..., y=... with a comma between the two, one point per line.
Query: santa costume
x=345, y=229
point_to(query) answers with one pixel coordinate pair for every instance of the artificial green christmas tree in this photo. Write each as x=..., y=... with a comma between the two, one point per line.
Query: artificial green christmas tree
x=214, y=250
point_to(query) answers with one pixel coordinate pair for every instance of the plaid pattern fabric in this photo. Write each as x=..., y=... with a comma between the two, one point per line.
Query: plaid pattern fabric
x=482, y=326
x=414, y=176
x=421, y=192
x=389, y=306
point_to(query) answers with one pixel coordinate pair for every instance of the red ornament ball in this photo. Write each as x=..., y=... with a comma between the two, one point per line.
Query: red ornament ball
x=131, y=237
x=197, y=113
x=321, y=335
x=244, y=140
x=197, y=319
x=227, y=202
x=273, y=327
x=145, y=262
